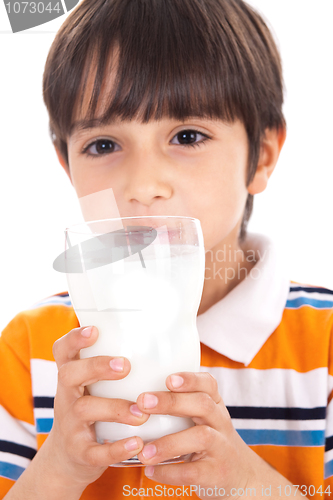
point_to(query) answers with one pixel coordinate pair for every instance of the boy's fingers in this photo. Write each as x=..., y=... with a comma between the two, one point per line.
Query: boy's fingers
x=91, y=409
x=196, y=405
x=188, y=474
x=194, y=382
x=68, y=347
x=87, y=371
x=103, y=455
x=198, y=439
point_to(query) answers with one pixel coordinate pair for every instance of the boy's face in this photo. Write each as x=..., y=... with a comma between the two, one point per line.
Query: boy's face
x=195, y=168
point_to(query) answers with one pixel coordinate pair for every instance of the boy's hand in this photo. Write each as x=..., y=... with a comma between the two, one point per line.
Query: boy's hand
x=220, y=457
x=72, y=450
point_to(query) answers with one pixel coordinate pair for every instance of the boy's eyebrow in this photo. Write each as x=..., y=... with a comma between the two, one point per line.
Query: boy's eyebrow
x=85, y=125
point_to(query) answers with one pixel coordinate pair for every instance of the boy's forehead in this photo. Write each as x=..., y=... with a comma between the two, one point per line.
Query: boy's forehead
x=83, y=122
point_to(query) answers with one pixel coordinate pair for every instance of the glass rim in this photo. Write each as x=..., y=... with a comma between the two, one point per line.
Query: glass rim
x=88, y=223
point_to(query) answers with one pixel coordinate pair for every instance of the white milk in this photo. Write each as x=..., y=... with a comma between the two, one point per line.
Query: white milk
x=153, y=324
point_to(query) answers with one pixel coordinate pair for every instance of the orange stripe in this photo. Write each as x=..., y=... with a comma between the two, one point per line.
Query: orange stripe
x=5, y=485
x=15, y=394
x=48, y=324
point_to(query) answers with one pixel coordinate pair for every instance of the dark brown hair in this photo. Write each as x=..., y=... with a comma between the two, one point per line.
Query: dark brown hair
x=177, y=58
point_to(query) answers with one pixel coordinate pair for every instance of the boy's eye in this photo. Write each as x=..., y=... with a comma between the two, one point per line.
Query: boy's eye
x=105, y=146
x=100, y=147
x=189, y=138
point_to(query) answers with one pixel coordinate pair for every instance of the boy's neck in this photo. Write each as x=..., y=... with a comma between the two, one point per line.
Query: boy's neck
x=226, y=265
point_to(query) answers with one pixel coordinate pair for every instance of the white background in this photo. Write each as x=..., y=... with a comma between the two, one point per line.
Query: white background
x=38, y=201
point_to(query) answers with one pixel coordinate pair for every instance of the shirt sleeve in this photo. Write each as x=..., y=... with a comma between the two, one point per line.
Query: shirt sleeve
x=328, y=474
x=18, y=443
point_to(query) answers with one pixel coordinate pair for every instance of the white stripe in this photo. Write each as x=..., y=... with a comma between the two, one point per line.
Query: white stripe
x=328, y=456
x=313, y=295
x=44, y=376
x=29, y=427
x=53, y=297
x=329, y=419
x=273, y=387
x=330, y=385
x=280, y=425
x=11, y=429
x=14, y=459
x=55, y=300
x=44, y=413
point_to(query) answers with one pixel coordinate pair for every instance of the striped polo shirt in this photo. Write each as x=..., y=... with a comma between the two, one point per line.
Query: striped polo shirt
x=268, y=343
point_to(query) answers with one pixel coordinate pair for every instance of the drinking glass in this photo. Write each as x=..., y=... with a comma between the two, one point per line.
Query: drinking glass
x=139, y=280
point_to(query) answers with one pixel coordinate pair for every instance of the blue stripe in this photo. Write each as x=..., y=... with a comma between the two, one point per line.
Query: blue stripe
x=328, y=469
x=302, y=301
x=283, y=438
x=44, y=424
x=10, y=471
x=50, y=302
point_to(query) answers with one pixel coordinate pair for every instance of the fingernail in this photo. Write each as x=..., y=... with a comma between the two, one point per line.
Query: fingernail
x=86, y=332
x=149, y=471
x=176, y=381
x=117, y=364
x=149, y=451
x=149, y=401
x=135, y=411
x=131, y=445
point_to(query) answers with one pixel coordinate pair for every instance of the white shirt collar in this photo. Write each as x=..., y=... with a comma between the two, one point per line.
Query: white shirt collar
x=239, y=324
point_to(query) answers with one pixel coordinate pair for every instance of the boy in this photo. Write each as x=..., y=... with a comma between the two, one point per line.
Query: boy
x=176, y=105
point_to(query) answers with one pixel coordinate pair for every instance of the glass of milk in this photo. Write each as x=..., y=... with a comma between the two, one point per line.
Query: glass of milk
x=139, y=280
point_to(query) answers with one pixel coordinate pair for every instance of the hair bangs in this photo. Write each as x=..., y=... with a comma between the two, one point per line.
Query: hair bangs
x=166, y=70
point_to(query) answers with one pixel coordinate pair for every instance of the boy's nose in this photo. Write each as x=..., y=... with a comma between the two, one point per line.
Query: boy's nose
x=146, y=182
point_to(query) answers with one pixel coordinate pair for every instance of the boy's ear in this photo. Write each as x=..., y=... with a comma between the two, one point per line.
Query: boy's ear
x=269, y=153
x=63, y=163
